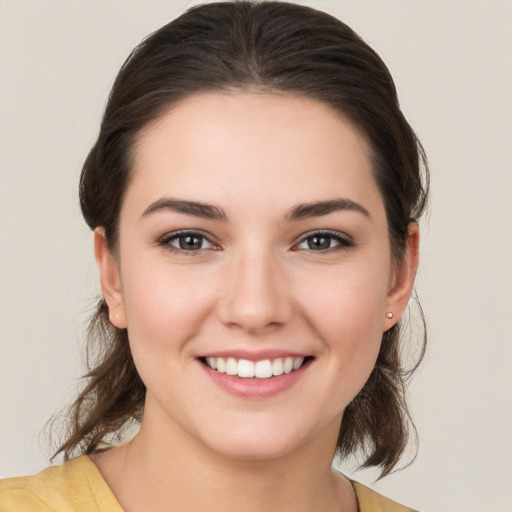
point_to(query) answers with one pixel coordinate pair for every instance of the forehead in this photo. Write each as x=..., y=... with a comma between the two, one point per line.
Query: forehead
x=280, y=148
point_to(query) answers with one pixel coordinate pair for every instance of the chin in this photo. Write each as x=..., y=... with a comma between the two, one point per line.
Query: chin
x=258, y=442
x=254, y=451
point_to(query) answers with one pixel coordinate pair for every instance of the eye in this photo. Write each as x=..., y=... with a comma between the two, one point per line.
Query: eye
x=322, y=241
x=187, y=241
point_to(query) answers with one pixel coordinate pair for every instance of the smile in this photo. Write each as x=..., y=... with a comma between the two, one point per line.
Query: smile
x=263, y=369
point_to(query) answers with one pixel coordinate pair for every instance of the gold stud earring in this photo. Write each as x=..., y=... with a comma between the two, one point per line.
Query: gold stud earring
x=389, y=315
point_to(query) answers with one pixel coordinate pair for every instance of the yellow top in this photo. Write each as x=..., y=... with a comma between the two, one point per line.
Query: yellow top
x=77, y=486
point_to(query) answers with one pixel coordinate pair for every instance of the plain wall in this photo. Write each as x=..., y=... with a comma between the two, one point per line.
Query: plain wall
x=452, y=62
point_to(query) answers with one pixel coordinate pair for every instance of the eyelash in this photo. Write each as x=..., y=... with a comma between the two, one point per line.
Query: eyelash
x=343, y=242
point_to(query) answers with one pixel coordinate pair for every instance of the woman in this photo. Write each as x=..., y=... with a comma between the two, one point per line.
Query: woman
x=254, y=194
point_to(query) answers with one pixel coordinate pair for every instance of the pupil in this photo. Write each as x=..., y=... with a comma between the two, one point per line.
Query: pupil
x=190, y=242
x=319, y=242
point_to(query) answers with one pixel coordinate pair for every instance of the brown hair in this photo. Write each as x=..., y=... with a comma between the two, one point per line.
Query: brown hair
x=271, y=46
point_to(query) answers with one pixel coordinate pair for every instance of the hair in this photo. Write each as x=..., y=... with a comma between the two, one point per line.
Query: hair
x=251, y=46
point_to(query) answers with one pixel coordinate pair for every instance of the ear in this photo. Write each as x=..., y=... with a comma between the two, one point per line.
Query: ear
x=110, y=279
x=403, y=276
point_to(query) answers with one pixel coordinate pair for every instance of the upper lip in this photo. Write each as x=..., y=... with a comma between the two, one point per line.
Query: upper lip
x=252, y=355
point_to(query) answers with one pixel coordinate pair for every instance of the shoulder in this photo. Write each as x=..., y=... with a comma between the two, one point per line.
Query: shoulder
x=371, y=501
x=76, y=486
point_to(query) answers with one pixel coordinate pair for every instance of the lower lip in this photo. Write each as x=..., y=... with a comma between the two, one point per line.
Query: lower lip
x=255, y=388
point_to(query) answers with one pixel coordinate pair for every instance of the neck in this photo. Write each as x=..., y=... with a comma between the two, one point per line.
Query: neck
x=172, y=471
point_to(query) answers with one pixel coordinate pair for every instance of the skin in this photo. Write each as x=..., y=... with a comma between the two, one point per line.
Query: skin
x=254, y=284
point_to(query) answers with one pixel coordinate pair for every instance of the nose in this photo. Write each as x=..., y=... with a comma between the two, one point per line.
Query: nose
x=255, y=295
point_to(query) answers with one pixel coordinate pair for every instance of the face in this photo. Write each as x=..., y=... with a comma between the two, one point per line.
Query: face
x=253, y=272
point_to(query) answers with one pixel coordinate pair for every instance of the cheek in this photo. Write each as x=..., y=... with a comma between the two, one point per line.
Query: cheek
x=165, y=309
x=346, y=311
x=163, y=304
x=348, y=300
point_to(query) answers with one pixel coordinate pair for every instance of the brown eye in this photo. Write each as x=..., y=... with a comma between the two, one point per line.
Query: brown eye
x=190, y=242
x=319, y=242
x=187, y=242
x=324, y=241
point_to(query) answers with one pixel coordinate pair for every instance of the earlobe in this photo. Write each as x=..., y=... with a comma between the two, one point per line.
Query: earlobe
x=403, y=279
x=110, y=279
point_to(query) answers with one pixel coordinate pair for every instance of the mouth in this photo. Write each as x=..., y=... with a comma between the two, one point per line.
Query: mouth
x=261, y=369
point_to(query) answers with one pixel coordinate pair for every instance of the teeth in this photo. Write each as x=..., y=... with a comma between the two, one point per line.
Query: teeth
x=277, y=367
x=221, y=364
x=245, y=368
x=263, y=369
x=297, y=363
x=231, y=366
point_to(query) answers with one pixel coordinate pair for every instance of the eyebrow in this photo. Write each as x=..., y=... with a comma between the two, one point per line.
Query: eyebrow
x=213, y=212
x=319, y=208
x=197, y=209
